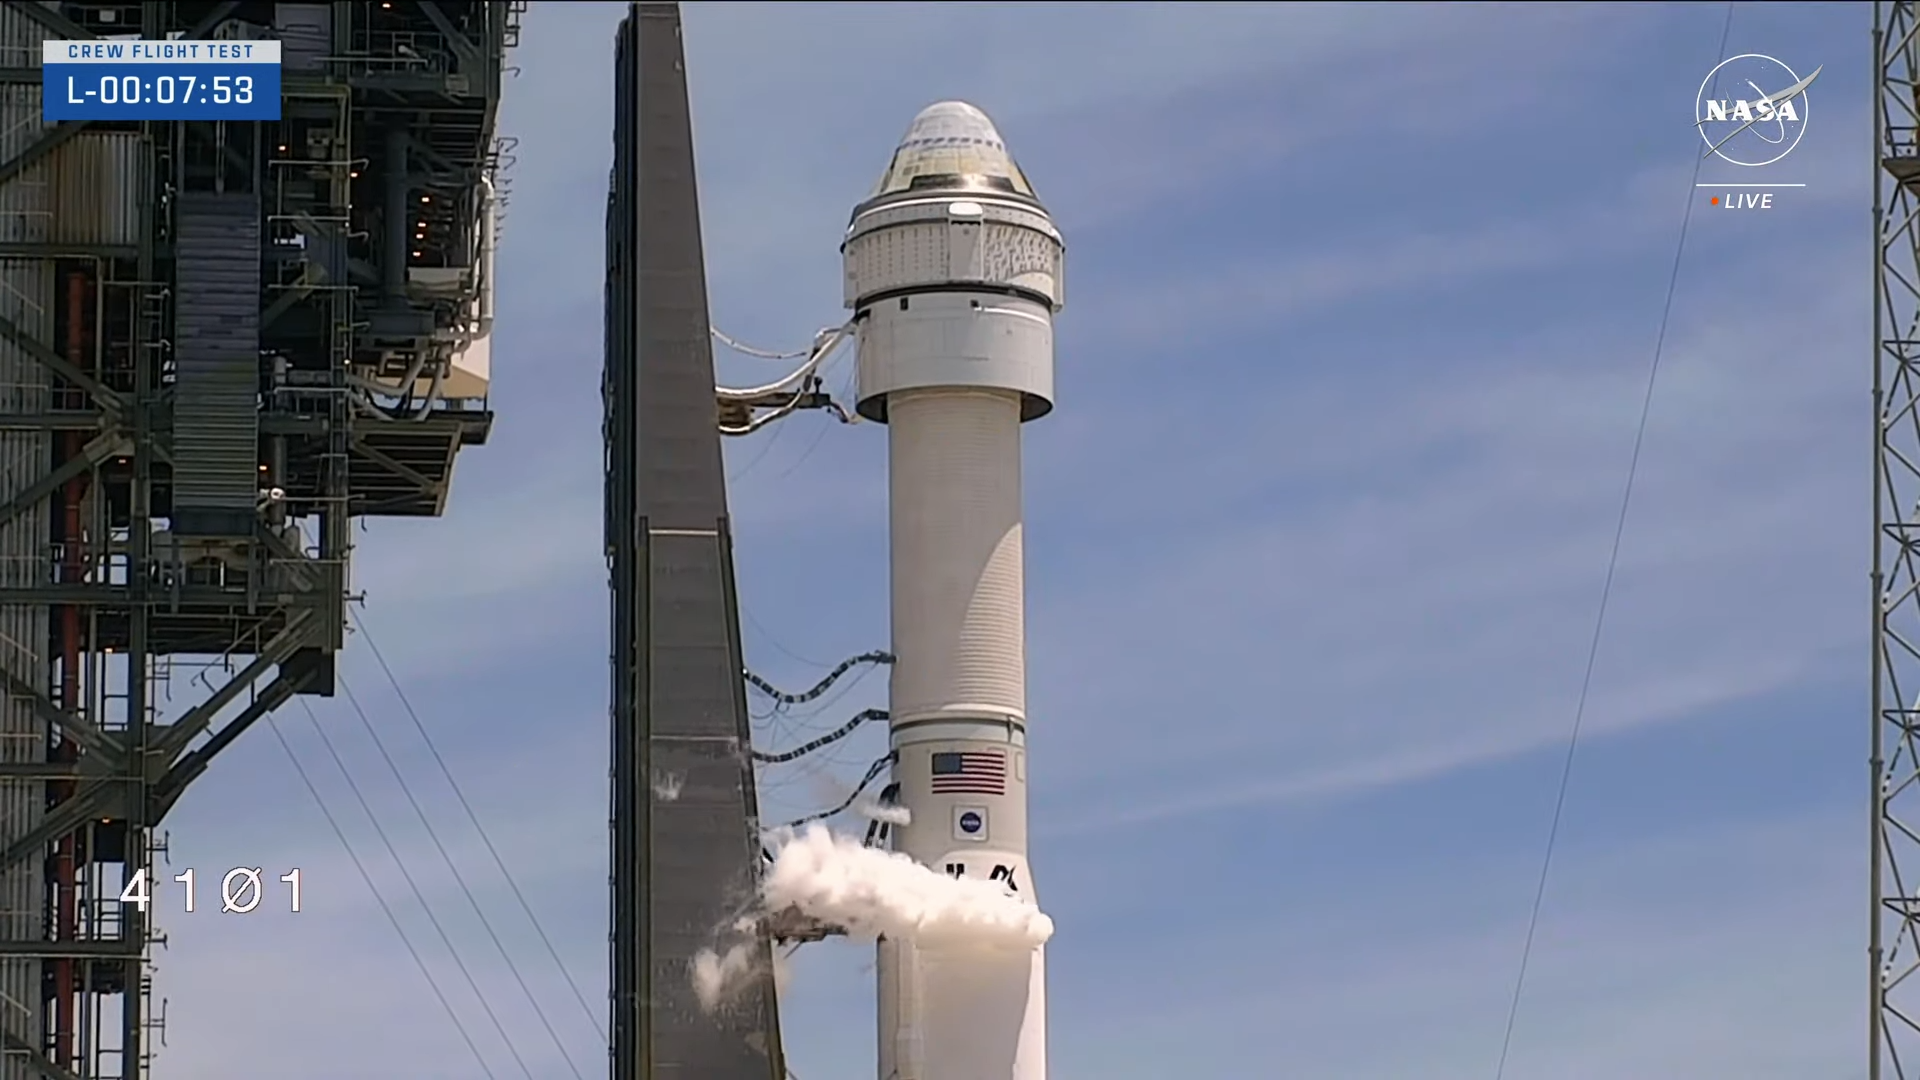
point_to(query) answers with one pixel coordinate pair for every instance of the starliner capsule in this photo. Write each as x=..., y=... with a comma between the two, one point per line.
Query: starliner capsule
x=954, y=272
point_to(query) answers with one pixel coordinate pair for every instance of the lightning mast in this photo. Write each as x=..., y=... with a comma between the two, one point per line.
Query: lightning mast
x=1893, y=1016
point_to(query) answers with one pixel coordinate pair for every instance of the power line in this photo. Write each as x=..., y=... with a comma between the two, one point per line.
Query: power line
x=359, y=623
x=831, y=737
x=847, y=393
x=405, y=942
x=434, y=920
x=1606, y=595
x=767, y=635
x=461, y=880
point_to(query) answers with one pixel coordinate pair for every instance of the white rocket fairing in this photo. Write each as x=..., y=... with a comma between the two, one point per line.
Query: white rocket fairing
x=954, y=271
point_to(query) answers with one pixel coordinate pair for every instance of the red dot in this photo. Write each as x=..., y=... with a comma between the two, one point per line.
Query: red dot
x=1715, y=200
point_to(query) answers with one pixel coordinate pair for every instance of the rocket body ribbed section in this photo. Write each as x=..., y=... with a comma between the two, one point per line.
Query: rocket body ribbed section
x=958, y=584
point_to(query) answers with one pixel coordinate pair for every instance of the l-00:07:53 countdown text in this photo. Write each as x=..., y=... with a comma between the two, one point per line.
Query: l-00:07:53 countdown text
x=164, y=90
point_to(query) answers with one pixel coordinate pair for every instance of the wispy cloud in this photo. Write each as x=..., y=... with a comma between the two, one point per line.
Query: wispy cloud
x=1640, y=970
x=1361, y=618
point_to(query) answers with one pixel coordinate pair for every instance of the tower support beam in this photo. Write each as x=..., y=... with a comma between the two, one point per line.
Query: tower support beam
x=18, y=1049
x=79, y=728
x=60, y=365
x=57, y=25
x=36, y=151
x=1894, y=758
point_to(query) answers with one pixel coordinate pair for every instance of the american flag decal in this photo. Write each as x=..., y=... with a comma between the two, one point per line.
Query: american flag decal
x=970, y=772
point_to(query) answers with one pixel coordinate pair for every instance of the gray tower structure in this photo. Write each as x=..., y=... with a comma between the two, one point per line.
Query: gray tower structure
x=219, y=344
x=686, y=851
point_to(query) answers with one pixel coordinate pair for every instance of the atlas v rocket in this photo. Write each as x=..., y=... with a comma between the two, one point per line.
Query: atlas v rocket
x=954, y=272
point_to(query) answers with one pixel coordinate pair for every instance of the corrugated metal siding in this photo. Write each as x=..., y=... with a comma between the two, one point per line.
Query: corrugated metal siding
x=953, y=470
x=26, y=204
x=94, y=196
x=216, y=479
x=26, y=298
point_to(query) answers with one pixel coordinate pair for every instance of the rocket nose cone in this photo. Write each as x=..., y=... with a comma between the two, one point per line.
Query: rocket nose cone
x=952, y=145
x=956, y=119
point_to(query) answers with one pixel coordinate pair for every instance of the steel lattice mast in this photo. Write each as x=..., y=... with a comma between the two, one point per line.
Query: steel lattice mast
x=1894, y=942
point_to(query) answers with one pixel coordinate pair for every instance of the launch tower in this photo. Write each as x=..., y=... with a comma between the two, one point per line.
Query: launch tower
x=219, y=343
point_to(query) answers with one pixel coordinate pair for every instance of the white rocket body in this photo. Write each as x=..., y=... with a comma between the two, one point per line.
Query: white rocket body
x=953, y=269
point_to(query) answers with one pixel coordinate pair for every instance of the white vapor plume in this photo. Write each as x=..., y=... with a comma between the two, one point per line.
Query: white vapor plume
x=715, y=975
x=666, y=786
x=891, y=815
x=868, y=893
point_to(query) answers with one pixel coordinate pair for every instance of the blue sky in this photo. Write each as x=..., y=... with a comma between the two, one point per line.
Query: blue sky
x=1361, y=303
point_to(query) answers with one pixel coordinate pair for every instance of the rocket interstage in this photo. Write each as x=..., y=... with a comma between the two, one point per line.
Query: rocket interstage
x=954, y=272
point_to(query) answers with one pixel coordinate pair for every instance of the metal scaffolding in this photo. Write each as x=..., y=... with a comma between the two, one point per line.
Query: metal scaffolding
x=219, y=343
x=1894, y=948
